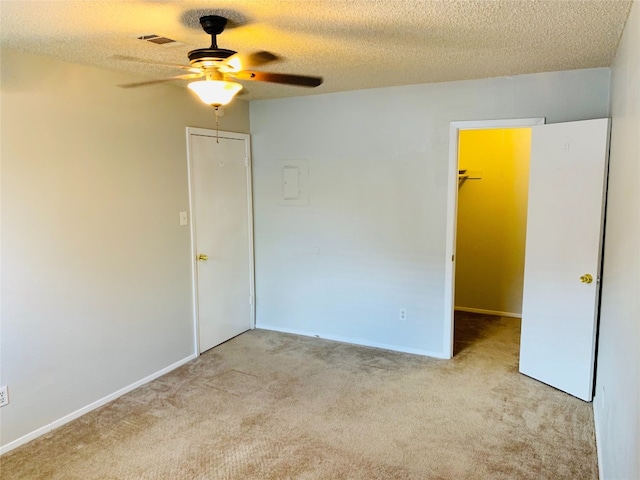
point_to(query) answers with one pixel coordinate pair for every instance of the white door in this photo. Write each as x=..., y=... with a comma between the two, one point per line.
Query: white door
x=222, y=233
x=562, y=259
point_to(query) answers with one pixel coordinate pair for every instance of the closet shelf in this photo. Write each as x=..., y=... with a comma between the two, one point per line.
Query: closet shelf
x=464, y=174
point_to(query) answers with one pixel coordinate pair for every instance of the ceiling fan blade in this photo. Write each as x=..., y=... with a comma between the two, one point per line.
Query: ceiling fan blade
x=160, y=80
x=126, y=58
x=286, y=78
x=242, y=61
x=261, y=58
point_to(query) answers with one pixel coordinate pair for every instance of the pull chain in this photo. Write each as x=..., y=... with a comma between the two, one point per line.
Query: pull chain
x=217, y=128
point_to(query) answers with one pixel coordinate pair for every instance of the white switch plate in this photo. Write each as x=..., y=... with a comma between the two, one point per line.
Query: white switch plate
x=4, y=396
x=183, y=219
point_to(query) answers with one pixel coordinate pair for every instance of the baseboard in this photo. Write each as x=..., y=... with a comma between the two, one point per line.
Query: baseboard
x=488, y=312
x=92, y=406
x=596, y=427
x=354, y=341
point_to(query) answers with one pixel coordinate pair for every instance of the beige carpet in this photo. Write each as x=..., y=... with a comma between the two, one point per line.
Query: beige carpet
x=268, y=405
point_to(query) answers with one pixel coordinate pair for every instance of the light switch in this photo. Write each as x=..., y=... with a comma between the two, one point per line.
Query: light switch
x=183, y=219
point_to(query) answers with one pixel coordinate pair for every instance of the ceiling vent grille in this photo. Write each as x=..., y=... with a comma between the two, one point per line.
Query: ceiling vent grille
x=158, y=40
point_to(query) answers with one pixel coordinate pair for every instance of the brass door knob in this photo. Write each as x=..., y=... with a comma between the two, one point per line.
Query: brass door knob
x=203, y=258
x=586, y=278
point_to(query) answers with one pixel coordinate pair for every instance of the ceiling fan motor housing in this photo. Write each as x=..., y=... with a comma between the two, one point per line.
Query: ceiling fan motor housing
x=210, y=57
x=203, y=55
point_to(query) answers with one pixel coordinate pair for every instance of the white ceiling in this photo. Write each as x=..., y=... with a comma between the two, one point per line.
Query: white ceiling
x=353, y=44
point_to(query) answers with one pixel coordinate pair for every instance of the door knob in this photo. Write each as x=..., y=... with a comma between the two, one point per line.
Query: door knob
x=586, y=278
x=203, y=258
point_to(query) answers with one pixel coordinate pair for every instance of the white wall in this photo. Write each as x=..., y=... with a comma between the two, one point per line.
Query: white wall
x=617, y=400
x=492, y=220
x=96, y=282
x=378, y=191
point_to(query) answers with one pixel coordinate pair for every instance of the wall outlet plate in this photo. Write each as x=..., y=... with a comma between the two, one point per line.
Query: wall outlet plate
x=4, y=396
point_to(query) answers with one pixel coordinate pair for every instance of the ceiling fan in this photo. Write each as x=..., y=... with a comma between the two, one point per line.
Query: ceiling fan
x=219, y=65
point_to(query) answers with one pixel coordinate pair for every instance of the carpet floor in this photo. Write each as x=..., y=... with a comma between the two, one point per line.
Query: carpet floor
x=268, y=405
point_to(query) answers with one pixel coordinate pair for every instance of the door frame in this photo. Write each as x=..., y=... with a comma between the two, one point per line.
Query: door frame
x=205, y=132
x=452, y=211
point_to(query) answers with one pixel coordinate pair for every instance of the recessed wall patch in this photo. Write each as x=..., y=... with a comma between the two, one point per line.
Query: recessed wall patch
x=294, y=182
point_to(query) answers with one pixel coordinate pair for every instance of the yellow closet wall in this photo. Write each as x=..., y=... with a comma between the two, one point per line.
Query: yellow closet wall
x=492, y=217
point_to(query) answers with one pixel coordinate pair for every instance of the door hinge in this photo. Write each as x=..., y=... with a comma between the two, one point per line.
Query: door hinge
x=250, y=299
x=246, y=162
x=453, y=257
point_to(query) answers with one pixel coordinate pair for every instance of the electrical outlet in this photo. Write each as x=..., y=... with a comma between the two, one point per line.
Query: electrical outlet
x=403, y=314
x=4, y=396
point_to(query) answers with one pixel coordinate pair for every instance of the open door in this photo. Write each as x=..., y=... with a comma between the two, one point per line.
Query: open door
x=563, y=254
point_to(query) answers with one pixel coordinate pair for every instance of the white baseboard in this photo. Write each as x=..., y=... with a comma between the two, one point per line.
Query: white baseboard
x=354, y=341
x=488, y=312
x=92, y=406
x=596, y=426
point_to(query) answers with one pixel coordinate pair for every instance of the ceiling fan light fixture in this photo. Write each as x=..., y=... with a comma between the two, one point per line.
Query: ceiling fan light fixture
x=215, y=92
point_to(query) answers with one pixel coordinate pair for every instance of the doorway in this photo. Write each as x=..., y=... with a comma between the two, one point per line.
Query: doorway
x=563, y=252
x=493, y=183
x=452, y=214
x=222, y=235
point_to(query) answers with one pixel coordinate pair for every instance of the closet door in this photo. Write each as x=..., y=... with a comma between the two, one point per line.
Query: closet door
x=223, y=241
x=563, y=254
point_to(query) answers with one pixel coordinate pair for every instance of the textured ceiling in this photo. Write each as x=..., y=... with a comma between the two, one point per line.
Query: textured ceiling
x=353, y=44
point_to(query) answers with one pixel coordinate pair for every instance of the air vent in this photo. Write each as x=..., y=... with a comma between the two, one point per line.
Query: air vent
x=158, y=40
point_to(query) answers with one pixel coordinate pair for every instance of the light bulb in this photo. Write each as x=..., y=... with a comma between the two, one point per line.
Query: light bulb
x=215, y=92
